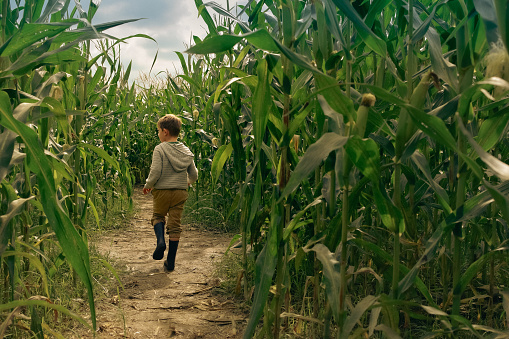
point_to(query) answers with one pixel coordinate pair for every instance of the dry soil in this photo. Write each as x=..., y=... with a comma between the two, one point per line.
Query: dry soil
x=185, y=303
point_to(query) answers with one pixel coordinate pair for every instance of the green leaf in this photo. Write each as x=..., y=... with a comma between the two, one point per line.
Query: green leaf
x=493, y=130
x=505, y=303
x=390, y=214
x=112, y=270
x=369, y=38
x=296, y=58
x=423, y=28
x=182, y=63
x=14, y=208
x=331, y=277
x=35, y=261
x=68, y=237
x=475, y=267
x=206, y=16
x=443, y=68
x=500, y=198
x=30, y=34
x=427, y=255
x=313, y=157
x=431, y=125
x=52, y=6
x=386, y=258
x=222, y=154
x=365, y=155
x=475, y=206
x=296, y=123
x=420, y=161
x=337, y=100
x=502, y=10
x=331, y=18
x=7, y=140
x=294, y=223
x=488, y=13
x=357, y=313
x=235, y=238
x=221, y=11
x=264, y=271
x=335, y=120
x=221, y=43
x=498, y=167
x=262, y=103
x=103, y=154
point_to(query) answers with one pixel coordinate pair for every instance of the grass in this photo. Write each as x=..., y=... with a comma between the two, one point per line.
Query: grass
x=207, y=212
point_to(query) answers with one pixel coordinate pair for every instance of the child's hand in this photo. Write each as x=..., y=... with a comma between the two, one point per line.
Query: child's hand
x=146, y=190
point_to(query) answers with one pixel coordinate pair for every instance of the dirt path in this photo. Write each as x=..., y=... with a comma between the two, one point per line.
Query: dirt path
x=155, y=304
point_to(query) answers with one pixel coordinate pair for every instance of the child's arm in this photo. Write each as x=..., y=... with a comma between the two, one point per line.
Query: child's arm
x=155, y=170
x=192, y=174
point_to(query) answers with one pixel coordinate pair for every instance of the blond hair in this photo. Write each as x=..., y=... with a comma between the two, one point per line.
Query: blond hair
x=172, y=123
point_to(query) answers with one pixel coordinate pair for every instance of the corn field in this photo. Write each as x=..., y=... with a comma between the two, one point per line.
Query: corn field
x=361, y=146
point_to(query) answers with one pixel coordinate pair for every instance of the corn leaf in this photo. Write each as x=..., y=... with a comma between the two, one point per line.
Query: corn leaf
x=365, y=155
x=206, y=17
x=358, y=311
x=475, y=267
x=222, y=154
x=67, y=235
x=52, y=7
x=493, y=130
x=30, y=34
x=331, y=276
x=264, y=270
x=391, y=216
x=487, y=11
x=221, y=43
x=313, y=157
x=34, y=260
x=386, y=258
x=370, y=39
x=220, y=10
x=7, y=140
x=428, y=254
x=103, y=154
x=502, y=10
x=499, y=168
x=261, y=106
x=445, y=70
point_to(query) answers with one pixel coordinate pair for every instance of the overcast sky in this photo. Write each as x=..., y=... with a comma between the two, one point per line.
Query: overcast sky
x=172, y=23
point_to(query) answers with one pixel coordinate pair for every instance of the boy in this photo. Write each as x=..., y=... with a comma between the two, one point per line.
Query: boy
x=171, y=172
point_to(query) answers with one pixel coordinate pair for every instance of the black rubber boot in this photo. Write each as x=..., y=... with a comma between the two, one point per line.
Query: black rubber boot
x=161, y=245
x=169, y=264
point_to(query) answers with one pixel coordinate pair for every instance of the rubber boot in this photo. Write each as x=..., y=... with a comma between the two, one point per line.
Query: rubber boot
x=169, y=264
x=161, y=245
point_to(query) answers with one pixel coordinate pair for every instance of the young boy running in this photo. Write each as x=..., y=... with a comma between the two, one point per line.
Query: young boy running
x=171, y=172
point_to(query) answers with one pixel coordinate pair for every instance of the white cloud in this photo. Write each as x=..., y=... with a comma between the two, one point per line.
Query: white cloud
x=172, y=23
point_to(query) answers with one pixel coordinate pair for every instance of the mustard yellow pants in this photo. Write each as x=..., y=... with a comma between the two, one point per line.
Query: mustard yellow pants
x=169, y=202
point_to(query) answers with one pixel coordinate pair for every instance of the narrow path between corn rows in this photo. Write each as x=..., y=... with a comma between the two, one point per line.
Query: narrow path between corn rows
x=180, y=304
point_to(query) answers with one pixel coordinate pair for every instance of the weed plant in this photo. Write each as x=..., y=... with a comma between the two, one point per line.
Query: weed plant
x=209, y=211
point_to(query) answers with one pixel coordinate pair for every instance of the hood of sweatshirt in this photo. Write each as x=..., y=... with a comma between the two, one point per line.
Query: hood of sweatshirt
x=178, y=154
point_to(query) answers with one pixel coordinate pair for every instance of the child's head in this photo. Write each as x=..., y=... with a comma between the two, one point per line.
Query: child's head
x=172, y=123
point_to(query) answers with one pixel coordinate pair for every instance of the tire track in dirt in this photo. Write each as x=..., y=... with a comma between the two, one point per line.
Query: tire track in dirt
x=155, y=304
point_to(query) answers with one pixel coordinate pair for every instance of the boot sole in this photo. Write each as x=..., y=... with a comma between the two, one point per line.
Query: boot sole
x=166, y=268
x=159, y=252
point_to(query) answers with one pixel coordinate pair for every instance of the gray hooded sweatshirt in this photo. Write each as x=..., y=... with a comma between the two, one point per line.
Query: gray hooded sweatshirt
x=172, y=167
